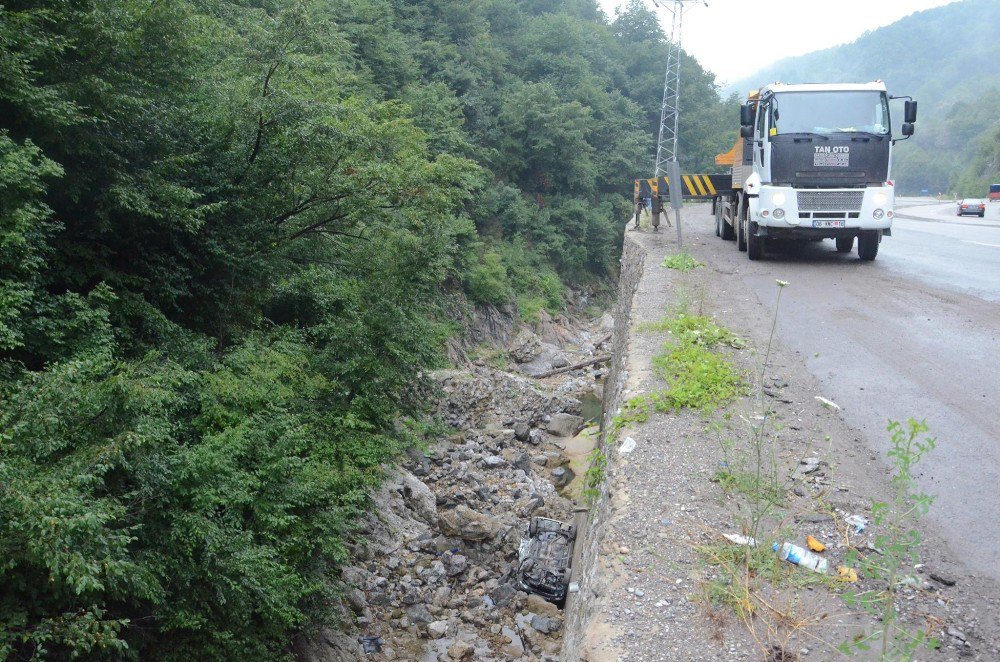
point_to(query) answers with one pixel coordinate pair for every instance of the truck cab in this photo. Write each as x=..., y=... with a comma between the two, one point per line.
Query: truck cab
x=818, y=165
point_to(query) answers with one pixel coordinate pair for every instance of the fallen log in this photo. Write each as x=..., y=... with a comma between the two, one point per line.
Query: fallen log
x=599, y=359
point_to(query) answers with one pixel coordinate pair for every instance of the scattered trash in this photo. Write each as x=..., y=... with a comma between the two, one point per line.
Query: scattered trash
x=915, y=582
x=828, y=403
x=846, y=574
x=808, y=465
x=941, y=579
x=627, y=446
x=803, y=557
x=739, y=540
x=858, y=522
x=813, y=518
x=814, y=544
x=371, y=644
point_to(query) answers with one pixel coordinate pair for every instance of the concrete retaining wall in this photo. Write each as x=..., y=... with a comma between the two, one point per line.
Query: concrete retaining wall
x=580, y=606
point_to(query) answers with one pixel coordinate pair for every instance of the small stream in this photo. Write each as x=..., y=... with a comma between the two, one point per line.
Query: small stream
x=591, y=407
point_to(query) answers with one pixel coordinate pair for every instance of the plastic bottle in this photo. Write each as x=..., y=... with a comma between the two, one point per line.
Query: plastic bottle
x=803, y=557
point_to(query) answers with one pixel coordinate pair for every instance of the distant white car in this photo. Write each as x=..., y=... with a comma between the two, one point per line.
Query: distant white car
x=972, y=206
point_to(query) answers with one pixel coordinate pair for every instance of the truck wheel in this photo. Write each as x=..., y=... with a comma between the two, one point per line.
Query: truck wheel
x=845, y=244
x=727, y=230
x=755, y=244
x=718, y=219
x=741, y=228
x=868, y=245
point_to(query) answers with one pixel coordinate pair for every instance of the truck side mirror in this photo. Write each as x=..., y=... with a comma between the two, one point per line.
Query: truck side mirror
x=907, y=128
x=746, y=132
x=910, y=113
x=746, y=115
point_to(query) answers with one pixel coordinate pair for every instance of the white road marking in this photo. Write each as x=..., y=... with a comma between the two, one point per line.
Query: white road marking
x=979, y=243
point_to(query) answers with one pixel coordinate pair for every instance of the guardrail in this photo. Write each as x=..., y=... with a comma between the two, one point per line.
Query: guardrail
x=693, y=187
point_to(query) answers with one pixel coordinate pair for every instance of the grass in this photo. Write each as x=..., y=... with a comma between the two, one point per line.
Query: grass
x=681, y=261
x=594, y=477
x=745, y=483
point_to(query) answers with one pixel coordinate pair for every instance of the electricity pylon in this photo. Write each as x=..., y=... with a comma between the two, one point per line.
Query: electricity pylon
x=666, y=144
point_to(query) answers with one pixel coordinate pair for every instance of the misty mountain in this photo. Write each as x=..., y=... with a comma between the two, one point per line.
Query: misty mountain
x=948, y=58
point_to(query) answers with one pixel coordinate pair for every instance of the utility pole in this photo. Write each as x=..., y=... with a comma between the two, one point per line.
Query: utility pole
x=666, y=144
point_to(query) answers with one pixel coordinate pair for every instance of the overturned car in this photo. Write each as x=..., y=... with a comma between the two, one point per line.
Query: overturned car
x=545, y=558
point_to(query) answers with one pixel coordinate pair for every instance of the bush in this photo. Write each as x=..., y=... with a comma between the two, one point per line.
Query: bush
x=487, y=281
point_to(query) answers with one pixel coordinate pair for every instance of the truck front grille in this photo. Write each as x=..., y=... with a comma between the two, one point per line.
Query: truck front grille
x=829, y=200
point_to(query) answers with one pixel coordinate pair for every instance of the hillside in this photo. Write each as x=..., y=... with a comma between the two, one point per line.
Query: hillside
x=948, y=58
x=235, y=238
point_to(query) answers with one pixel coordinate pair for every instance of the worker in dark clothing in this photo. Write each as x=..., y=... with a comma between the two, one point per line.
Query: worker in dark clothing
x=657, y=210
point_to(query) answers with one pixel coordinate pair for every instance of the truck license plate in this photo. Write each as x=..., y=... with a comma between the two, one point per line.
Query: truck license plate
x=828, y=224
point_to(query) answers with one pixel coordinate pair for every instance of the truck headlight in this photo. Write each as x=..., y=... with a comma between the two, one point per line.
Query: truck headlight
x=878, y=213
x=880, y=198
x=778, y=199
x=779, y=213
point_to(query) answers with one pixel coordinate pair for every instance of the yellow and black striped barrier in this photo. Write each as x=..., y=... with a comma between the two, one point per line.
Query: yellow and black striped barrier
x=693, y=187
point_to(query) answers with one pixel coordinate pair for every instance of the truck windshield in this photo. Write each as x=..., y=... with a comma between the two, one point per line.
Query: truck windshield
x=830, y=112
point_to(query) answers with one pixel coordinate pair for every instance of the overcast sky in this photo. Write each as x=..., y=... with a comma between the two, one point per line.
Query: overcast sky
x=734, y=38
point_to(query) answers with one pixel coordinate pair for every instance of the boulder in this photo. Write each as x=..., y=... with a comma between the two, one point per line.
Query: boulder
x=419, y=614
x=437, y=629
x=560, y=361
x=462, y=651
x=565, y=425
x=562, y=476
x=419, y=499
x=525, y=347
x=521, y=431
x=465, y=523
x=543, y=362
x=502, y=595
x=455, y=564
x=545, y=624
x=539, y=605
x=515, y=647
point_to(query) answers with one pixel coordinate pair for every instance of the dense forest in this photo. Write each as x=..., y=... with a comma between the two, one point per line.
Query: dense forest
x=948, y=58
x=234, y=236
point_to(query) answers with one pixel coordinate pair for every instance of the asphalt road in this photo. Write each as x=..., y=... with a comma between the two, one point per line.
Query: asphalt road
x=915, y=333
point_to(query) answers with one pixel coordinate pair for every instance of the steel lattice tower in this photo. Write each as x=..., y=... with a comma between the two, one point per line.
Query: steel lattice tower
x=666, y=144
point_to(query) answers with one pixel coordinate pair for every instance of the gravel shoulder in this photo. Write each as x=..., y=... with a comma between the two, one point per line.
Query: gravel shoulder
x=653, y=600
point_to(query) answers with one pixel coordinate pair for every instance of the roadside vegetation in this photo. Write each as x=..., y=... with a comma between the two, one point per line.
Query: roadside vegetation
x=744, y=574
x=234, y=237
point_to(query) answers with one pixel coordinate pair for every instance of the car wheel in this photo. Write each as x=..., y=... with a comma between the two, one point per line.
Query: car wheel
x=868, y=245
x=982, y=214
x=845, y=244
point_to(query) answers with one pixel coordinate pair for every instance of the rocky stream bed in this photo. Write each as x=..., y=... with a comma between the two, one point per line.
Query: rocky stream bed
x=433, y=576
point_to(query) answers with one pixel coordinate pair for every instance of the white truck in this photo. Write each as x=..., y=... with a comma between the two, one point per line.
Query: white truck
x=812, y=162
